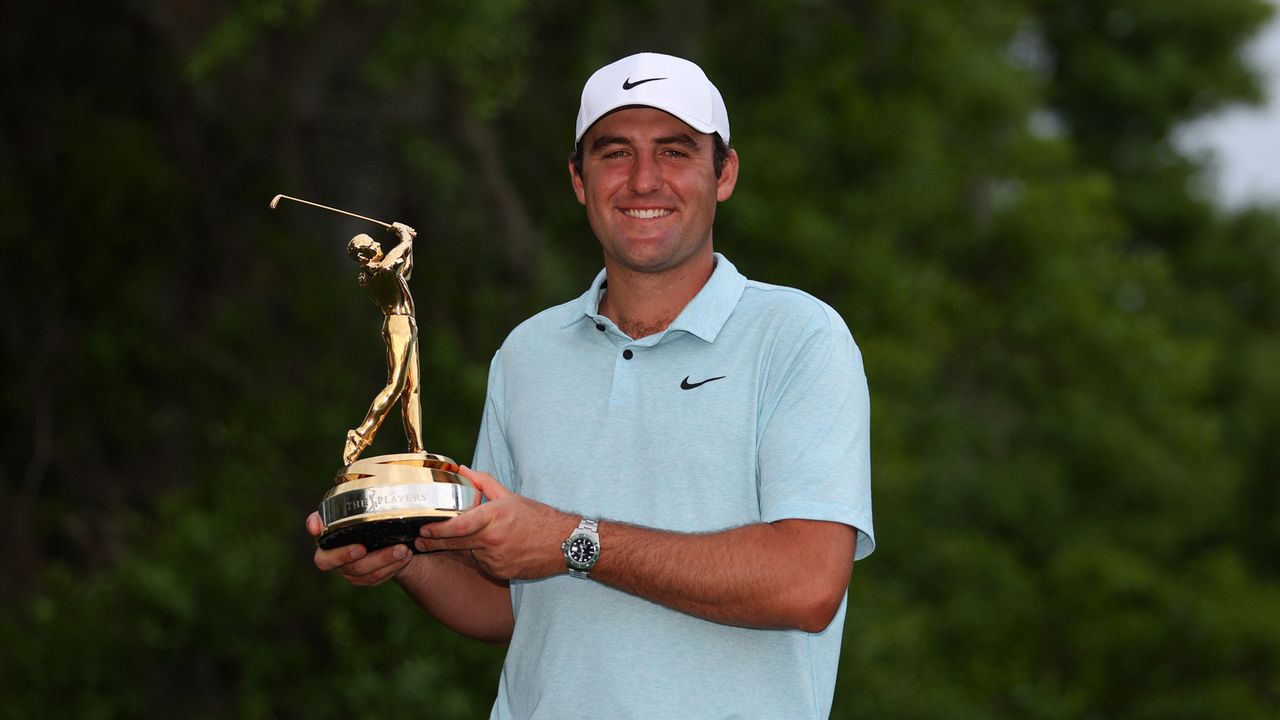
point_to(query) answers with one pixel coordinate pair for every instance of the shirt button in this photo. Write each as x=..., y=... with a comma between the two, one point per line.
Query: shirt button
x=627, y=354
x=600, y=327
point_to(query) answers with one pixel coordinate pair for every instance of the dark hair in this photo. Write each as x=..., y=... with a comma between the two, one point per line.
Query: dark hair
x=719, y=153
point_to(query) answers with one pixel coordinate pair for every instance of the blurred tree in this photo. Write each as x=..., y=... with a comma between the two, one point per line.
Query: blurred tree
x=1071, y=351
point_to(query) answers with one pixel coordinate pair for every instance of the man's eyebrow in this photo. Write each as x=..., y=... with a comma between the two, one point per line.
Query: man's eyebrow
x=605, y=141
x=682, y=139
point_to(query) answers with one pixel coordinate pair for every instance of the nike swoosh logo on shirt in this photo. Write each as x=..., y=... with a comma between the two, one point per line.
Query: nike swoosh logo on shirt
x=686, y=385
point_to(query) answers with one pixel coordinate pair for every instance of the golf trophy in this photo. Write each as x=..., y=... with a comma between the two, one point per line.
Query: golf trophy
x=383, y=500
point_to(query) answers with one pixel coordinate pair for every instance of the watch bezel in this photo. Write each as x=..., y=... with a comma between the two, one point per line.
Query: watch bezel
x=568, y=548
x=584, y=535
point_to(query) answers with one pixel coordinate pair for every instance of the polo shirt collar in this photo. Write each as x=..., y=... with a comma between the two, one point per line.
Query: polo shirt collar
x=703, y=317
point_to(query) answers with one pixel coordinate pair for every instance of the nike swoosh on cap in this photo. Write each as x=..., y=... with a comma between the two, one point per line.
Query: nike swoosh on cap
x=627, y=84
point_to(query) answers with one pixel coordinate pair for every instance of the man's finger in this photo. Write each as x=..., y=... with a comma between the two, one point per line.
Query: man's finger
x=382, y=574
x=437, y=544
x=331, y=559
x=378, y=565
x=314, y=525
x=487, y=484
x=468, y=523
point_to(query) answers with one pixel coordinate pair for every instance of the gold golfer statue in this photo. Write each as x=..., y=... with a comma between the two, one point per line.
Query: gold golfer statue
x=385, y=277
x=383, y=500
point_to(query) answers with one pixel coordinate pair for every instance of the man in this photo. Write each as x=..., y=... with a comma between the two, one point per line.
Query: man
x=386, y=280
x=676, y=464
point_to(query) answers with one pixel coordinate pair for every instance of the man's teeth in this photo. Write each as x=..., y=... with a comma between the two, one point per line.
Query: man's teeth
x=647, y=214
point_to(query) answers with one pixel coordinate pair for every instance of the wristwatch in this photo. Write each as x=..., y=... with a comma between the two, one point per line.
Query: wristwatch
x=582, y=549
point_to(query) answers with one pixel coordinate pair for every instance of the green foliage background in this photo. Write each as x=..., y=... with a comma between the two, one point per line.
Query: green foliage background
x=1072, y=352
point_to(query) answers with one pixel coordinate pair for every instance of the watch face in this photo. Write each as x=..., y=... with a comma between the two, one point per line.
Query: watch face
x=582, y=550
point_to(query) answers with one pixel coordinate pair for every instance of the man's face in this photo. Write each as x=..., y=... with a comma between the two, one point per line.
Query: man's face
x=650, y=189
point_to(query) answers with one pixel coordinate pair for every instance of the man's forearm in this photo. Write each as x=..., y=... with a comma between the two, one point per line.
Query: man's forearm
x=788, y=574
x=460, y=596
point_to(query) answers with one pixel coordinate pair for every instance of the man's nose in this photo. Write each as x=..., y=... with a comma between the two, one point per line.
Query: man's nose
x=646, y=175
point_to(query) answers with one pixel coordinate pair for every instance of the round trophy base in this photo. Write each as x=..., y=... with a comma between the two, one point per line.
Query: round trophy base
x=377, y=534
x=383, y=500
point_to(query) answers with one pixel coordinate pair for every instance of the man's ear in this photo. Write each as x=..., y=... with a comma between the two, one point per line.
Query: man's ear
x=728, y=176
x=579, y=188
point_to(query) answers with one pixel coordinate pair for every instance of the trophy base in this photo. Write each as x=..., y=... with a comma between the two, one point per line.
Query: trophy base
x=377, y=534
x=382, y=501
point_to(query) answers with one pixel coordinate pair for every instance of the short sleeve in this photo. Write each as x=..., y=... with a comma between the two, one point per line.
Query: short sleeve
x=815, y=435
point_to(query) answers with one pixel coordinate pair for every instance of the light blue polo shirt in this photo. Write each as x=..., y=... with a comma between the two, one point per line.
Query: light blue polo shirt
x=751, y=407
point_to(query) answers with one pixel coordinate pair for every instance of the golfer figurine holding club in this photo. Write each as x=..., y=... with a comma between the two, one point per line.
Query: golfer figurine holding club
x=385, y=278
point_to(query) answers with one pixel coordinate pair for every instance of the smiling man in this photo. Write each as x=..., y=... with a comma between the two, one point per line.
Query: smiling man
x=676, y=464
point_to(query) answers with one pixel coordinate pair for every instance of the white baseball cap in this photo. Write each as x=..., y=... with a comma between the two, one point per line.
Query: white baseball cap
x=660, y=81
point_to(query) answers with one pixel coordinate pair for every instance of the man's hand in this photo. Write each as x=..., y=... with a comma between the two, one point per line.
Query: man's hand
x=510, y=536
x=356, y=565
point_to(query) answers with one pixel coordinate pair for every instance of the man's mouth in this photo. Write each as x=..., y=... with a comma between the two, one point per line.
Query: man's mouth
x=647, y=213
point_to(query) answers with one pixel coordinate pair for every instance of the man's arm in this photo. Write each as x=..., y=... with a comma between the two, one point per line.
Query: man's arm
x=447, y=585
x=786, y=574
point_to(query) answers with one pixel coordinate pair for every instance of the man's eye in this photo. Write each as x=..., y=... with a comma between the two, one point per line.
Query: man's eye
x=675, y=153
